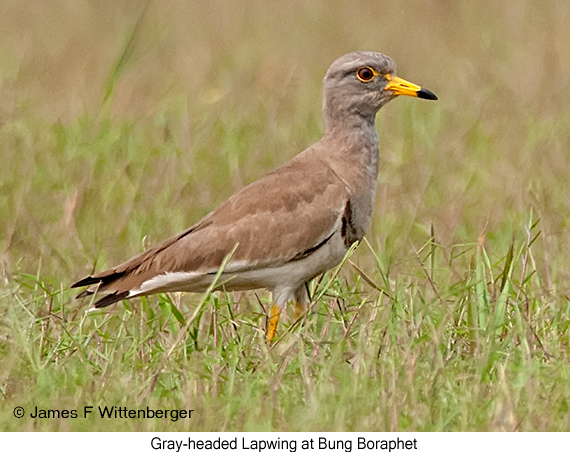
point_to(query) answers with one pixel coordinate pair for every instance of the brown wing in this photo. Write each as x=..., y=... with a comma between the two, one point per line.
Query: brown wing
x=278, y=218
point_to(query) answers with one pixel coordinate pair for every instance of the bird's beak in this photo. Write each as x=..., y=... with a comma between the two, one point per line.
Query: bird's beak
x=400, y=87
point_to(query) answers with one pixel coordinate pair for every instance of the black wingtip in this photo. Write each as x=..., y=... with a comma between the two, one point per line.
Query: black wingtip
x=426, y=94
x=89, y=281
x=110, y=299
x=85, y=293
x=104, y=279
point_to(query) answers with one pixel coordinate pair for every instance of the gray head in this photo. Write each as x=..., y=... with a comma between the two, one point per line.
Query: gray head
x=358, y=84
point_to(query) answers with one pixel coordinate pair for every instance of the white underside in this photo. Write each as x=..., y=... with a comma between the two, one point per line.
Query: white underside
x=282, y=280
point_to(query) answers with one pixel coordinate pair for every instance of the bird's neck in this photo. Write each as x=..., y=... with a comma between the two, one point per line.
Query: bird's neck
x=351, y=148
x=347, y=120
x=351, y=151
x=352, y=137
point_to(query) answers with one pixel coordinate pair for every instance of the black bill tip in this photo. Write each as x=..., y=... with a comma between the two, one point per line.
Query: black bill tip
x=426, y=94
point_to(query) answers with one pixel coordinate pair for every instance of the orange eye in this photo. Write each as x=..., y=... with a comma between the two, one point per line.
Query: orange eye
x=365, y=74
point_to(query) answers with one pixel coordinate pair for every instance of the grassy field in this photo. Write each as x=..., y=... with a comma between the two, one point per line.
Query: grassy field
x=121, y=123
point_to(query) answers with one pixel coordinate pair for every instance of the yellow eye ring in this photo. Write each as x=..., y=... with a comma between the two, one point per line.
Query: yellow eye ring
x=365, y=74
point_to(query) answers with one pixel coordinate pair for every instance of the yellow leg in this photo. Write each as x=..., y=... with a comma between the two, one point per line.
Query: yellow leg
x=299, y=309
x=273, y=321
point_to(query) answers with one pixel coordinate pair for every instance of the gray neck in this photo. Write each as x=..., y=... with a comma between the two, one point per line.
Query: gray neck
x=351, y=151
x=353, y=131
x=348, y=118
x=351, y=148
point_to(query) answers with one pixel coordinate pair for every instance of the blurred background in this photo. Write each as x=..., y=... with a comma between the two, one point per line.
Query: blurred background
x=123, y=122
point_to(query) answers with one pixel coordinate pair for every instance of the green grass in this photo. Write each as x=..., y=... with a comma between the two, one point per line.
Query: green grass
x=452, y=315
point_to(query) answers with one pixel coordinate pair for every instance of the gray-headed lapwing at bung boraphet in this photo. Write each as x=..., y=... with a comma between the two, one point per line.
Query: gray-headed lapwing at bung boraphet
x=292, y=224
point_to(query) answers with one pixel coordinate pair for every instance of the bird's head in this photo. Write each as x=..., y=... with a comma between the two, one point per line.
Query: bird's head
x=360, y=83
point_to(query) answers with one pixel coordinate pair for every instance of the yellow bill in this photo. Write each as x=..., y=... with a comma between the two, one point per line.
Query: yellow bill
x=401, y=87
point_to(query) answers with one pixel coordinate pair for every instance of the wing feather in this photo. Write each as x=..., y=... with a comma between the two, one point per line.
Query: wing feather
x=279, y=218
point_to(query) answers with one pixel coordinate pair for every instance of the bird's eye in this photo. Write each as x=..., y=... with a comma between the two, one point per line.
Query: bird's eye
x=365, y=74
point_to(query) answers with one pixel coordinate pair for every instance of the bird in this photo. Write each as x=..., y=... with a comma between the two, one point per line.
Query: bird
x=289, y=226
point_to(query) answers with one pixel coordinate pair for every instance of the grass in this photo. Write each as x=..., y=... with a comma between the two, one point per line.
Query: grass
x=452, y=315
